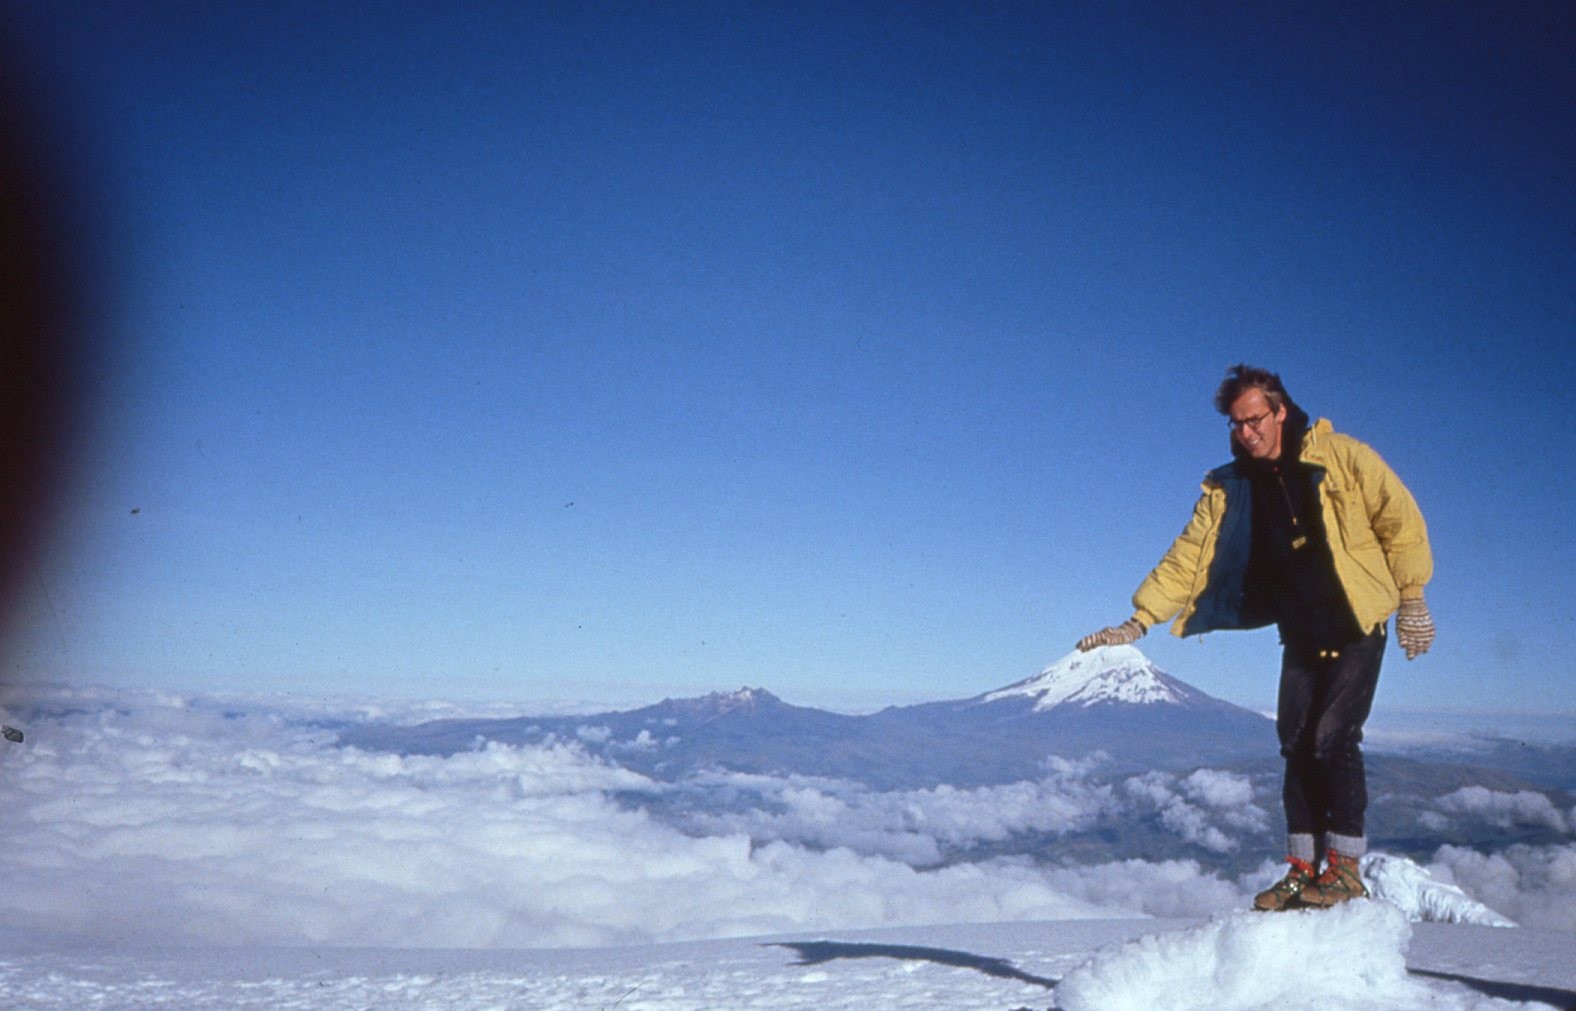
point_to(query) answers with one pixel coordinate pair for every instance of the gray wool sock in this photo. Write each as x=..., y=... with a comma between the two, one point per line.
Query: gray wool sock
x=1347, y=845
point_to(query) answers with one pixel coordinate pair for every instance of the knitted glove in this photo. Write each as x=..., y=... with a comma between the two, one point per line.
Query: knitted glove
x=1414, y=627
x=1117, y=635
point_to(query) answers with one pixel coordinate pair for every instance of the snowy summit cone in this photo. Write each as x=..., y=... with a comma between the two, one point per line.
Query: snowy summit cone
x=1109, y=674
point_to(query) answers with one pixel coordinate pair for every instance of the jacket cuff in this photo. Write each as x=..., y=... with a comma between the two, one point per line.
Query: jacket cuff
x=1412, y=592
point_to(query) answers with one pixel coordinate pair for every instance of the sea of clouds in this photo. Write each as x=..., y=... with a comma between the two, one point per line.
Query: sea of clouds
x=921, y=827
x=142, y=817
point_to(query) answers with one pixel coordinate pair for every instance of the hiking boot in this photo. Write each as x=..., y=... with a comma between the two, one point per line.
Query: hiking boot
x=1284, y=893
x=1339, y=882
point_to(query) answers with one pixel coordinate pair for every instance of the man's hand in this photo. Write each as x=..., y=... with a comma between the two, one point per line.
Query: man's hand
x=1128, y=631
x=1414, y=627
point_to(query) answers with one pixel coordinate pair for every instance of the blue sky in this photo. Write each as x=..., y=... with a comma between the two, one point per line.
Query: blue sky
x=862, y=352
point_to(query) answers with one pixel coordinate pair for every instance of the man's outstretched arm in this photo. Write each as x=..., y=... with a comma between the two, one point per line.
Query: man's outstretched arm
x=1166, y=590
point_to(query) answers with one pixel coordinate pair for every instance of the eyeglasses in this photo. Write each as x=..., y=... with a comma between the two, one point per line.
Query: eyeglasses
x=1238, y=424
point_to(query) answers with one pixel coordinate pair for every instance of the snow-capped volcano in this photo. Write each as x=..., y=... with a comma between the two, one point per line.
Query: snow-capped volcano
x=745, y=700
x=1107, y=674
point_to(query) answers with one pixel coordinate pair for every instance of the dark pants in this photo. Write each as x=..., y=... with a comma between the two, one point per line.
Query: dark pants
x=1324, y=701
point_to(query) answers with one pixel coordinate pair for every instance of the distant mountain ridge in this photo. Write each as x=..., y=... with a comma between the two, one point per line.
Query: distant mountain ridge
x=1111, y=701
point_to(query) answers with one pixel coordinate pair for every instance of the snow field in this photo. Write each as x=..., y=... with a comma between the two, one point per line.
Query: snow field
x=1353, y=958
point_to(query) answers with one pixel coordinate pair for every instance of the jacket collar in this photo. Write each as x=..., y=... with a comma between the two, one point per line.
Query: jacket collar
x=1309, y=441
x=1313, y=442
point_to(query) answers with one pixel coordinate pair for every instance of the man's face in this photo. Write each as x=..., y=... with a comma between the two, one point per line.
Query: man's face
x=1256, y=426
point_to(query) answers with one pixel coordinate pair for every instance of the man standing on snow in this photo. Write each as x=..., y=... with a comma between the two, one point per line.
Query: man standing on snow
x=1311, y=531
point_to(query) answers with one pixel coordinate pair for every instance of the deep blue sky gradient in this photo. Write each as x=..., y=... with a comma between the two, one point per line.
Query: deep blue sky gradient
x=863, y=352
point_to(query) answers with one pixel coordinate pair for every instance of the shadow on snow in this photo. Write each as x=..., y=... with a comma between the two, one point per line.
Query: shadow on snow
x=1526, y=992
x=818, y=952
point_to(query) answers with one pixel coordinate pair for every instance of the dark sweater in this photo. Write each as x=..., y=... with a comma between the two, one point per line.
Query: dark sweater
x=1291, y=576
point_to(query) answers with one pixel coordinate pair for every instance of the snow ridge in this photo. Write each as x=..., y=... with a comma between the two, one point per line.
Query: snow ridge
x=1106, y=674
x=1423, y=897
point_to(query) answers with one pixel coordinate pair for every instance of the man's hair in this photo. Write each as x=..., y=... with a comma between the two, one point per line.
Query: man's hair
x=1241, y=378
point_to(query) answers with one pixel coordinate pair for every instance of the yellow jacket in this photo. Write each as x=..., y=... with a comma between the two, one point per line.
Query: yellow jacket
x=1376, y=533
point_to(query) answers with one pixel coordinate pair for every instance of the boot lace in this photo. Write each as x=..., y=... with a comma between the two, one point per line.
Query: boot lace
x=1297, y=878
x=1338, y=866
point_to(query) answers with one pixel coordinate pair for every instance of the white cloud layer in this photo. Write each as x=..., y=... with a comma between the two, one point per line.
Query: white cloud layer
x=1202, y=806
x=920, y=827
x=188, y=820
x=1504, y=809
x=915, y=827
x=170, y=819
x=1533, y=885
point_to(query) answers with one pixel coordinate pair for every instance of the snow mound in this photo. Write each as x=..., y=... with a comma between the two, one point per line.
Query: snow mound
x=1421, y=896
x=1351, y=957
x=1106, y=674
